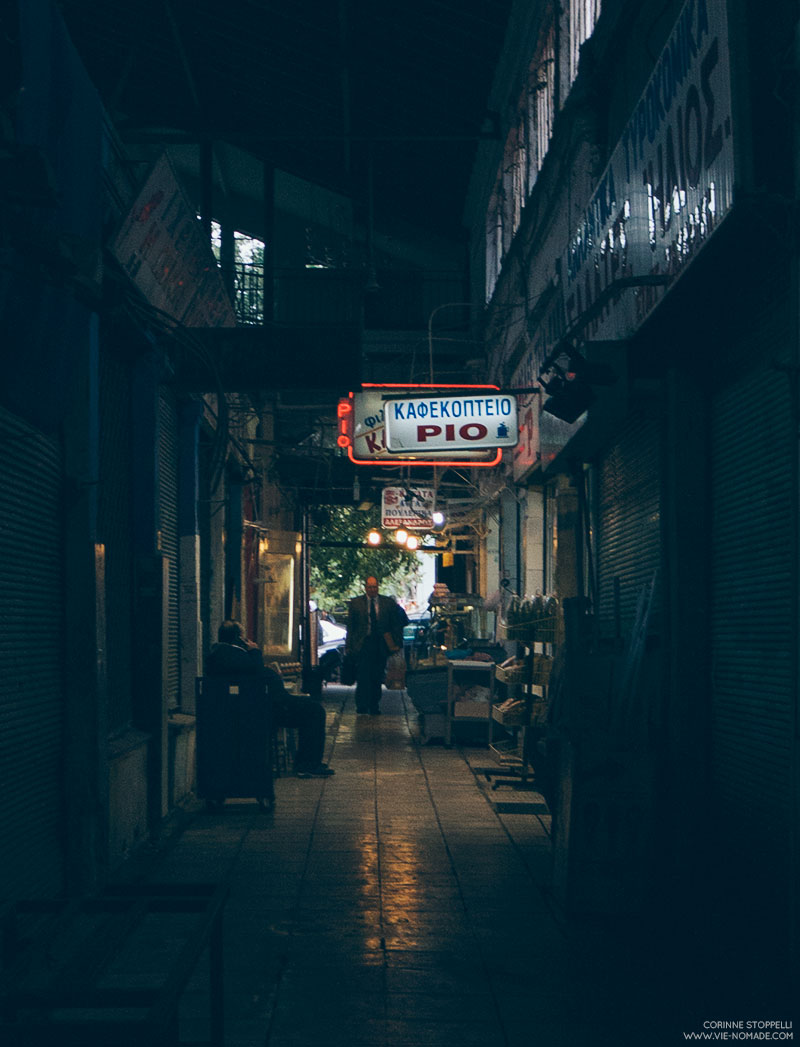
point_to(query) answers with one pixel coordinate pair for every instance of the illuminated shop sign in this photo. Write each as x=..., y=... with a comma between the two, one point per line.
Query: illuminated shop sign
x=668, y=184
x=441, y=423
x=363, y=433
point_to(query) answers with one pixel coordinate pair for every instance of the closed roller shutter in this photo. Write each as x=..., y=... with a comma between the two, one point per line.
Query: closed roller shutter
x=168, y=526
x=115, y=515
x=752, y=597
x=31, y=643
x=629, y=526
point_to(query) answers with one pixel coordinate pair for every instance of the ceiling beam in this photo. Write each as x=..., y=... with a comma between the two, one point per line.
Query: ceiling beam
x=181, y=137
x=184, y=59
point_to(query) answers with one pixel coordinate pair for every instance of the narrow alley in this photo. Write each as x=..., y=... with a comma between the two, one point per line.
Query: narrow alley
x=489, y=312
x=392, y=904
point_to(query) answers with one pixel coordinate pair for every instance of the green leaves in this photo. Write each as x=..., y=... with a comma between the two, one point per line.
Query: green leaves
x=338, y=571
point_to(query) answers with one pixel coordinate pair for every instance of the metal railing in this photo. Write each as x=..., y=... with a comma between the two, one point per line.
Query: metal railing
x=247, y=292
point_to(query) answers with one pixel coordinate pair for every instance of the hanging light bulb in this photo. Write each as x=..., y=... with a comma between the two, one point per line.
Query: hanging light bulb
x=401, y=536
x=374, y=537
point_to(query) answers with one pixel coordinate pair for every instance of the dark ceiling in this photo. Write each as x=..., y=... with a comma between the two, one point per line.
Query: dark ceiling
x=311, y=87
x=326, y=91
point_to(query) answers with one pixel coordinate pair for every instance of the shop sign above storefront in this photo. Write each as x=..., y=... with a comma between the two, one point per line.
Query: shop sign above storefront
x=411, y=508
x=666, y=189
x=363, y=434
x=443, y=423
x=162, y=248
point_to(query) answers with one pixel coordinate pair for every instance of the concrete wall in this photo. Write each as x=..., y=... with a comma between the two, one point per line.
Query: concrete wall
x=127, y=796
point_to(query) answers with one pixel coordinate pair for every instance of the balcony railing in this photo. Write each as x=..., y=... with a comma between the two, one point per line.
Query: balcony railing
x=248, y=293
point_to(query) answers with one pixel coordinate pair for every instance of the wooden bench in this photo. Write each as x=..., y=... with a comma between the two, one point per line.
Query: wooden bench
x=110, y=969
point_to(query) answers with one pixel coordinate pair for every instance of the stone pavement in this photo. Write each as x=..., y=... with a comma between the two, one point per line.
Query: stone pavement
x=391, y=904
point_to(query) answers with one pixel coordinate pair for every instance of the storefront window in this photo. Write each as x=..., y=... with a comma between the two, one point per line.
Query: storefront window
x=277, y=603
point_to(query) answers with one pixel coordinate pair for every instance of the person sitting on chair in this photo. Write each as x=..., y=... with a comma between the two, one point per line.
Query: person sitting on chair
x=235, y=655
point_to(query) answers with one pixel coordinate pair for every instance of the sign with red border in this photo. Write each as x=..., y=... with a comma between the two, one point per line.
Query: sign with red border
x=362, y=429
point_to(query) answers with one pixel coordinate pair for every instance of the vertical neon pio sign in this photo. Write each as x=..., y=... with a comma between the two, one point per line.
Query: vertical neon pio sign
x=362, y=426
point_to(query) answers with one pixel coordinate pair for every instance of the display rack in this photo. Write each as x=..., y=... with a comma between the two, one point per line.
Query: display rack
x=525, y=712
x=461, y=711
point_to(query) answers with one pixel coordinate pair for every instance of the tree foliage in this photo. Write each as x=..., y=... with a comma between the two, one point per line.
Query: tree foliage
x=338, y=570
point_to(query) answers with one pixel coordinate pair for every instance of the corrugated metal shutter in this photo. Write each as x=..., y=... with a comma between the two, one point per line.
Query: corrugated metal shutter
x=629, y=526
x=31, y=649
x=752, y=596
x=115, y=515
x=168, y=526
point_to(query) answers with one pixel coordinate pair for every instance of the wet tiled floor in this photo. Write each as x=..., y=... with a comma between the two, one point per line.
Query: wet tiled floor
x=392, y=905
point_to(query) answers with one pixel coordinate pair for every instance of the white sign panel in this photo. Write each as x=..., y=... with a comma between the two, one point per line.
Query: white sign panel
x=162, y=248
x=369, y=434
x=442, y=423
x=411, y=508
x=668, y=185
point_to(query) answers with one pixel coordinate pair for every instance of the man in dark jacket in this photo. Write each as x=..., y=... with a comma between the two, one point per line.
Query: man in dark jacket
x=235, y=655
x=374, y=631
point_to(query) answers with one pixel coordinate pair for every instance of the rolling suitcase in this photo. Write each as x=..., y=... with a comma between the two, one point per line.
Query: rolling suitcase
x=234, y=754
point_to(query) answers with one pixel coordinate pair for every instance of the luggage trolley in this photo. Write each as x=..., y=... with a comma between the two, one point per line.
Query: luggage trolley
x=234, y=740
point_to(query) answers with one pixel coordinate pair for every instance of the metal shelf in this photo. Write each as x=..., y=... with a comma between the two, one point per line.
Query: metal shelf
x=465, y=665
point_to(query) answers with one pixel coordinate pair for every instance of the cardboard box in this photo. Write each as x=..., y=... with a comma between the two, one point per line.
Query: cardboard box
x=474, y=710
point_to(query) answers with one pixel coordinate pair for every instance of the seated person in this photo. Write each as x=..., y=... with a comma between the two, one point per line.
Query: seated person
x=235, y=655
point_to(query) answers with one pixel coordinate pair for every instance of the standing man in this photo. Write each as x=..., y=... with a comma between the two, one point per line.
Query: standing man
x=374, y=630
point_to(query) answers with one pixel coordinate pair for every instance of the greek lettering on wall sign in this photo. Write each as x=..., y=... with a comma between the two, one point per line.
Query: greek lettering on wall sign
x=451, y=422
x=369, y=436
x=162, y=248
x=667, y=186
